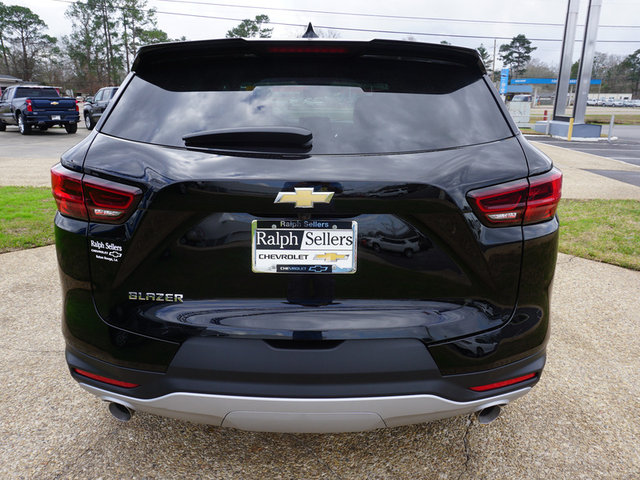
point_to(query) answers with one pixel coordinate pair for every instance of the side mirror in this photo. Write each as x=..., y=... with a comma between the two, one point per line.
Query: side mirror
x=88, y=100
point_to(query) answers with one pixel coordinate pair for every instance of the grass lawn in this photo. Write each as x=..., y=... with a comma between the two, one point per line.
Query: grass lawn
x=603, y=230
x=619, y=119
x=602, y=119
x=26, y=217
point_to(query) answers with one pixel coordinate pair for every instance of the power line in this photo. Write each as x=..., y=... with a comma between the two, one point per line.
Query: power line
x=367, y=30
x=375, y=15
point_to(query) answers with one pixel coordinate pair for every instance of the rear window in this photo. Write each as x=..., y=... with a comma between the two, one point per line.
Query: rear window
x=361, y=105
x=36, y=92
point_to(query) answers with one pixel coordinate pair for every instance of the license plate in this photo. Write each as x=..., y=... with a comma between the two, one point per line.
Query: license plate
x=303, y=246
x=55, y=117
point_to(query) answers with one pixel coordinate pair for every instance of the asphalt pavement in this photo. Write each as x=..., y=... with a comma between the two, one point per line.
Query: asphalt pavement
x=592, y=176
x=579, y=422
x=26, y=159
x=625, y=147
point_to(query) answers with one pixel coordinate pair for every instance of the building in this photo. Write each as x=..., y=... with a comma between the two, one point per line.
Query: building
x=7, y=81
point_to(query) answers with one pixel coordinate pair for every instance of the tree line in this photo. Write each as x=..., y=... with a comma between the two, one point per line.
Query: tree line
x=105, y=35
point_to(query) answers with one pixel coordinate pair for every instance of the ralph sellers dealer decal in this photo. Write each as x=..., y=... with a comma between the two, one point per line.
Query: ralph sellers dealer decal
x=106, y=251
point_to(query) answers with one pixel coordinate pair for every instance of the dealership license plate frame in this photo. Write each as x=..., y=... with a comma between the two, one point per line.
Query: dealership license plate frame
x=319, y=260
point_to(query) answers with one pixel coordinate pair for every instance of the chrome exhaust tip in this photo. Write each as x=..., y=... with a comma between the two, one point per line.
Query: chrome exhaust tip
x=488, y=414
x=120, y=412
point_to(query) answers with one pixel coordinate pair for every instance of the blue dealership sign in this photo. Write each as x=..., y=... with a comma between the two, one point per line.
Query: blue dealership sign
x=547, y=81
x=504, y=80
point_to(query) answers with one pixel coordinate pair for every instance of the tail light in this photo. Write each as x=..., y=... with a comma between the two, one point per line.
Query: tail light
x=67, y=191
x=77, y=108
x=29, y=106
x=90, y=198
x=521, y=202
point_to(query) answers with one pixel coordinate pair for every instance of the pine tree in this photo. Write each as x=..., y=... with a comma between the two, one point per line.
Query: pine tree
x=517, y=54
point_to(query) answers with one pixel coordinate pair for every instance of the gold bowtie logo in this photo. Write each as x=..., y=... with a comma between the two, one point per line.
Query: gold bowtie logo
x=330, y=257
x=55, y=103
x=304, y=197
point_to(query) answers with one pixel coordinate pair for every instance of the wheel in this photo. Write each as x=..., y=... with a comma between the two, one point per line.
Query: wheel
x=3, y=126
x=408, y=253
x=23, y=126
x=88, y=122
x=71, y=127
x=376, y=247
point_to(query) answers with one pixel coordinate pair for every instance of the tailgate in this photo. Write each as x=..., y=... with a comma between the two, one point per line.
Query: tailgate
x=421, y=261
x=53, y=104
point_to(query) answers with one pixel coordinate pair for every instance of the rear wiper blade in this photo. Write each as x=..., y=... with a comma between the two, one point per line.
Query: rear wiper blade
x=251, y=139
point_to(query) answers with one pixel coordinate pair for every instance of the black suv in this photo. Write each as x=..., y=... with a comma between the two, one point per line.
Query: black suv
x=95, y=106
x=210, y=238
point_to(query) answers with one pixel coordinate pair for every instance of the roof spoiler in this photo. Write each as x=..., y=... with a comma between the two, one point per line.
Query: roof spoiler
x=161, y=53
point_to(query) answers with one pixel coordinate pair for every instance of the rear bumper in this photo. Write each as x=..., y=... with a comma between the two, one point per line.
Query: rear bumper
x=47, y=120
x=355, y=387
x=303, y=415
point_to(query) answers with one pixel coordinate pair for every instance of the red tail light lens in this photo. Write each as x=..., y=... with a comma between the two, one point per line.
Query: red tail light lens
x=29, y=106
x=91, y=198
x=100, y=378
x=523, y=201
x=67, y=191
x=511, y=381
x=544, y=195
x=77, y=108
x=109, y=202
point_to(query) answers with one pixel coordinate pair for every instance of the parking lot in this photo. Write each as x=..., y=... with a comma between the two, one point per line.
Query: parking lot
x=579, y=422
x=24, y=159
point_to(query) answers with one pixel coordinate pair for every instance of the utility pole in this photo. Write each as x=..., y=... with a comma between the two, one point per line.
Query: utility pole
x=493, y=70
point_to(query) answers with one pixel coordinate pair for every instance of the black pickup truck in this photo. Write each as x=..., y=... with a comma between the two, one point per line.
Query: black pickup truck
x=36, y=106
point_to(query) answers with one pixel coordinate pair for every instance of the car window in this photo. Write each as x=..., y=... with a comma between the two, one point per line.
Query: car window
x=98, y=96
x=36, y=92
x=356, y=106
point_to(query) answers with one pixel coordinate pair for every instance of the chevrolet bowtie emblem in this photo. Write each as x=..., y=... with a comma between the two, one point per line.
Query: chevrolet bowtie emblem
x=304, y=197
x=55, y=103
x=330, y=257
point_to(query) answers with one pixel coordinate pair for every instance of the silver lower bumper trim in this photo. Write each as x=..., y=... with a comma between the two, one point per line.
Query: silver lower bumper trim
x=303, y=415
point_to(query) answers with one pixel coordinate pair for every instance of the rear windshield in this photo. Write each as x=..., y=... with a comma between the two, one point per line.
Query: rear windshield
x=36, y=92
x=362, y=105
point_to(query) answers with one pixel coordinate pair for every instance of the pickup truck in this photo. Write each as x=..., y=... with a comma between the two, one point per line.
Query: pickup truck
x=37, y=106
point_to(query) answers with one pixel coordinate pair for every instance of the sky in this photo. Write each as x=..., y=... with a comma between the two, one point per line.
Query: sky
x=424, y=20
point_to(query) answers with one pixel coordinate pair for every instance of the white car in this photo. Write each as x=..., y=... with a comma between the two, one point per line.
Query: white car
x=406, y=246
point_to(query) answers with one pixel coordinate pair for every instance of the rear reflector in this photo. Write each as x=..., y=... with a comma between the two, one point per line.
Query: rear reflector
x=90, y=198
x=492, y=386
x=102, y=379
x=525, y=201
